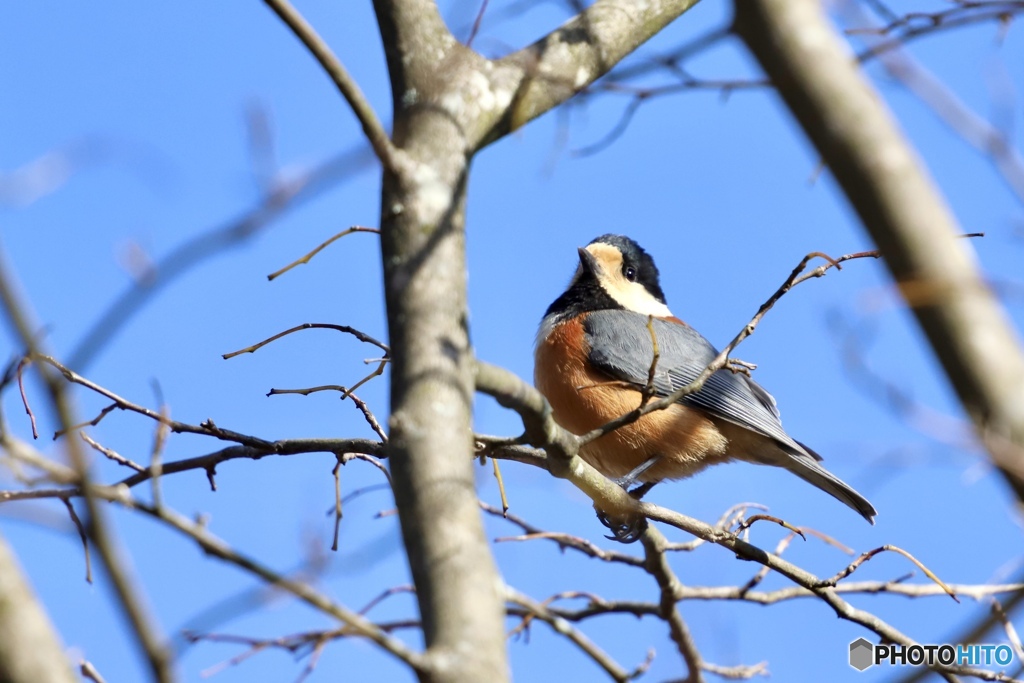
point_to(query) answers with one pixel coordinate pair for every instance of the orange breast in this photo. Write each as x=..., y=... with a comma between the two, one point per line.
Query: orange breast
x=583, y=398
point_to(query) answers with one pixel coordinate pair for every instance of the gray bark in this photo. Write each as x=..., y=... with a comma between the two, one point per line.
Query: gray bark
x=431, y=446
x=448, y=102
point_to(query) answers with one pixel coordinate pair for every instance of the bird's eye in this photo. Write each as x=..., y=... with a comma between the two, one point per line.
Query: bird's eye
x=630, y=273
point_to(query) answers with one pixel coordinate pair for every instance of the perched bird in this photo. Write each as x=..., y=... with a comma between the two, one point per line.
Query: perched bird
x=592, y=362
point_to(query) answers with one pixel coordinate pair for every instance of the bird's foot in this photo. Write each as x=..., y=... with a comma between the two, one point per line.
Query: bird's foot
x=623, y=530
x=629, y=530
x=627, y=481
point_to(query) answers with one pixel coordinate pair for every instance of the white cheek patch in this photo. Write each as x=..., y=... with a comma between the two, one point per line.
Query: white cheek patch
x=634, y=297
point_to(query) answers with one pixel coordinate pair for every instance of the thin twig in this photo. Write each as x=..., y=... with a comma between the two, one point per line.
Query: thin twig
x=297, y=644
x=864, y=557
x=829, y=594
x=740, y=672
x=82, y=535
x=562, y=539
x=373, y=459
x=156, y=454
x=600, y=607
x=562, y=627
x=90, y=672
x=110, y=453
x=361, y=336
x=648, y=390
x=729, y=518
x=91, y=423
x=207, y=428
x=368, y=415
x=1009, y=628
x=749, y=521
x=306, y=259
x=208, y=463
x=476, y=23
x=918, y=25
x=375, y=133
x=24, y=398
x=355, y=624
x=395, y=590
x=501, y=486
x=337, y=503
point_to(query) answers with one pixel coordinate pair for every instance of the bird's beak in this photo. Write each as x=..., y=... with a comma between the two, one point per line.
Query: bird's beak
x=588, y=262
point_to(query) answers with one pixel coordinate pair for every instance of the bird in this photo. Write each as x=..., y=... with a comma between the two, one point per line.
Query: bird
x=592, y=362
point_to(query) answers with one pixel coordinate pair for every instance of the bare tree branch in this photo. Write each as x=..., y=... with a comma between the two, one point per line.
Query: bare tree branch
x=563, y=540
x=133, y=605
x=323, y=245
x=375, y=133
x=600, y=657
x=986, y=138
x=567, y=60
x=976, y=631
x=657, y=566
x=902, y=29
x=208, y=463
x=801, y=577
x=354, y=622
x=813, y=70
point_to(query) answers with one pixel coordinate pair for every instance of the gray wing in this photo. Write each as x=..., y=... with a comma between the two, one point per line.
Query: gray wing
x=620, y=345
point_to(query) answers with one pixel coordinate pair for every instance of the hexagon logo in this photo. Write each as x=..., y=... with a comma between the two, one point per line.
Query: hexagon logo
x=862, y=654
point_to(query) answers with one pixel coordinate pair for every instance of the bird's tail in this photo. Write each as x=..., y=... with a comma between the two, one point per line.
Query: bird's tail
x=804, y=466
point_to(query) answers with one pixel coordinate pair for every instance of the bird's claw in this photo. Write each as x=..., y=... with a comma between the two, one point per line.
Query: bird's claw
x=627, y=530
x=623, y=531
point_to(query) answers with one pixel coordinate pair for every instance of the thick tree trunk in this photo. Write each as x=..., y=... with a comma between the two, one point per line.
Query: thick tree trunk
x=431, y=446
x=448, y=102
x=431, y=437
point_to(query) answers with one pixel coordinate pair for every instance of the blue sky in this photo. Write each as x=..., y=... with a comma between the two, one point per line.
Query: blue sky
x=151, y=98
